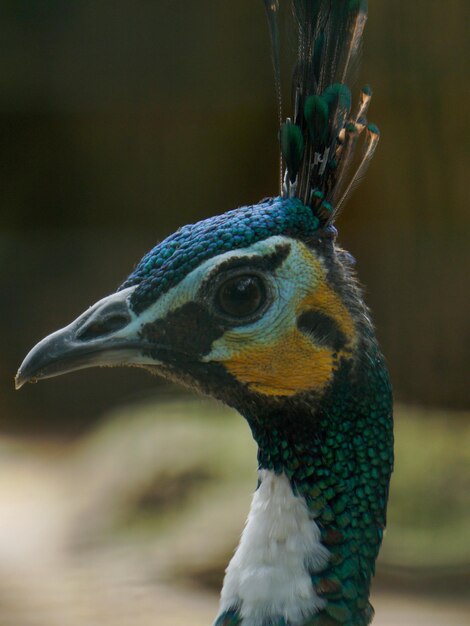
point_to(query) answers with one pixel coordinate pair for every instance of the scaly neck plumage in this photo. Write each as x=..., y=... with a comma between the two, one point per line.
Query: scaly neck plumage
x=324, y=477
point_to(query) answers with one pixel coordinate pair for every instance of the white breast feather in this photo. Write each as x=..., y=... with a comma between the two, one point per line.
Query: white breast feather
x=269, y=574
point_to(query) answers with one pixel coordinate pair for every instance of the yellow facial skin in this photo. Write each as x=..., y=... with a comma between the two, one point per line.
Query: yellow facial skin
x=291, y=362
x=284, y=368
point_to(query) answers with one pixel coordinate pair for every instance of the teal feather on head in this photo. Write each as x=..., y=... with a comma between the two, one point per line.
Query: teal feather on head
x=372, y=128
x=292, y=147
x=338, y=96
x=316, y=116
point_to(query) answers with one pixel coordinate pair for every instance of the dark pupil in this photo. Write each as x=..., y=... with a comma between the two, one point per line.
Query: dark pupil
x=241, y=296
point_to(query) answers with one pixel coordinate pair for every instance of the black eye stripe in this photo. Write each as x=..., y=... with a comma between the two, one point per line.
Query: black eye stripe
x=324, y=328
x=190, y=327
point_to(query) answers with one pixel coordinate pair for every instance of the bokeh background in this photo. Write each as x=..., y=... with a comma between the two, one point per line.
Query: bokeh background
x=122, y=499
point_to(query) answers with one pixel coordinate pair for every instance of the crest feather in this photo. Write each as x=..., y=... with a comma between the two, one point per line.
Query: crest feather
x=318, y=144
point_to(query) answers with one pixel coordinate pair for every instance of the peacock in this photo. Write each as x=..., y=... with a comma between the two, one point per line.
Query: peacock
x=260, y=308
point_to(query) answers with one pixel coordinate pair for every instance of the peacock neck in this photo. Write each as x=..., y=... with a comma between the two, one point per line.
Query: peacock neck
x=337, y=459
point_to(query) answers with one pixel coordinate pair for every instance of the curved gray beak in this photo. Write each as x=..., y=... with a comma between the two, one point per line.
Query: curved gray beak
x=107, y=334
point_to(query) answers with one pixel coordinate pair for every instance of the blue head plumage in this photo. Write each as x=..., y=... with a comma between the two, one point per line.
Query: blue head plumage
x=172, y=259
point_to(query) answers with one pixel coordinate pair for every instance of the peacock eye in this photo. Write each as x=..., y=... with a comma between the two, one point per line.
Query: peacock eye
x=241, y=296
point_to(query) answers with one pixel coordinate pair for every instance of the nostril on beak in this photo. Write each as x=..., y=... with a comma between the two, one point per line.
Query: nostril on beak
x=99, y=328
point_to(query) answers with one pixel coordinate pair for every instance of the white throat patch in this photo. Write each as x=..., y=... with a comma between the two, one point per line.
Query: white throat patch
x=269, y=574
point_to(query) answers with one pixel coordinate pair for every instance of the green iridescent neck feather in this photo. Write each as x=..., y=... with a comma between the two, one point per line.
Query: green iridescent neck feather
x=338, y=456
x=340, y=460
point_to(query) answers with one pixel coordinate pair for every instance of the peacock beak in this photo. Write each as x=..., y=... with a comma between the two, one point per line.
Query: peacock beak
x=104, y=335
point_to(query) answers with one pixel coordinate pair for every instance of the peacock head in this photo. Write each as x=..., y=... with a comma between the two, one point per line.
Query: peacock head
x=249, y=306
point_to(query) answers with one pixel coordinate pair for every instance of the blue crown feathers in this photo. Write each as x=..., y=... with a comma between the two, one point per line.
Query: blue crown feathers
x=172, y=259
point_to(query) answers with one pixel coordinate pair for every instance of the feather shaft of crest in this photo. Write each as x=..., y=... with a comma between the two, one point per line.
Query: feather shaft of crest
x=364, y=100
x=319, y=144
x=370, y=145
x=344, y=155
x=357, y=30
x=272, y=9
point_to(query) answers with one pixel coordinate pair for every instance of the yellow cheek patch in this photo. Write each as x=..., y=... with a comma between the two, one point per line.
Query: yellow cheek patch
x=291, y=365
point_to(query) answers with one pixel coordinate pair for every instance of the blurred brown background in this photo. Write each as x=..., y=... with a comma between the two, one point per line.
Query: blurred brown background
x=120, y=121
